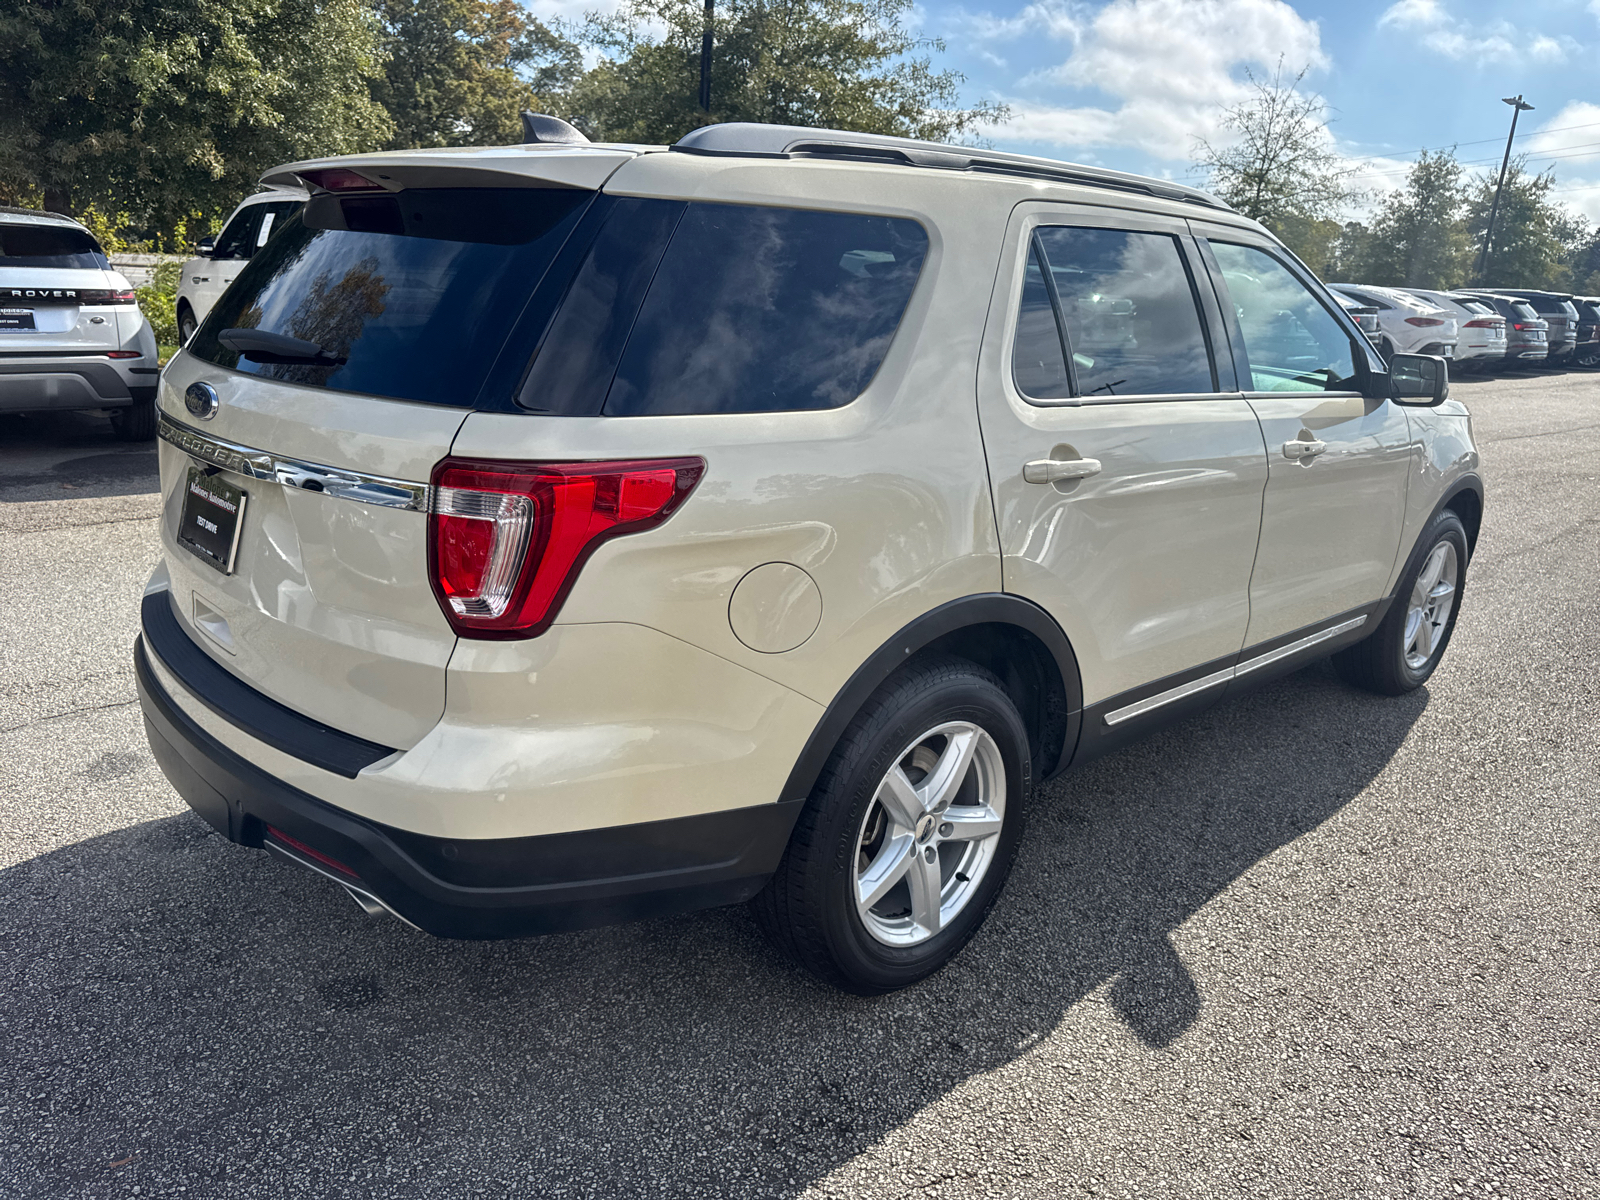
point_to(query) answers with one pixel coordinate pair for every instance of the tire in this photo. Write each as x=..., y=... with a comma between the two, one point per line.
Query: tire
x=946, y=729
x=186, y=324
x=136, y=422
x=1392, y=661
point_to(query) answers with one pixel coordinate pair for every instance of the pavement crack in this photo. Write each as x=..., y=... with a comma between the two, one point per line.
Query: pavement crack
x=74, y=712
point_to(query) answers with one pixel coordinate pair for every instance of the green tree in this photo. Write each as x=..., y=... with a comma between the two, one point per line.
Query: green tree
x=460, y=72
x=842, y=64
x=1418, y=238
x=1527, y=250
x=1280, y=166
x=159, y=108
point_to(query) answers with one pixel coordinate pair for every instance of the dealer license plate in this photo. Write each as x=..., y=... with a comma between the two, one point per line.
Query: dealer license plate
x=213, y=515
x=16, y=320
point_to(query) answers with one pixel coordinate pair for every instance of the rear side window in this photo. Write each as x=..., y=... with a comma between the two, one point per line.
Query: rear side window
x=415, y=292
x=756, y=309
x=1038, y=365
x=50, y=246
x=1129, y=312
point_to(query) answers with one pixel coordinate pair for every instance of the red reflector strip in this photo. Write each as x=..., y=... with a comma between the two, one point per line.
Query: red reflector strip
x=337, y=179
x=507, y=540
x=310, y=853
x=123, y=354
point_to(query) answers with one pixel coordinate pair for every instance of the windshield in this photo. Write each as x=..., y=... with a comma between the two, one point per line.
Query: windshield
x=409, y=295
x=50, y=246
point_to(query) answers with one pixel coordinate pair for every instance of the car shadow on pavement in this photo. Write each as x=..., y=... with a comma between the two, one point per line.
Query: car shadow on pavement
x=71, y=455
x=181, y=1012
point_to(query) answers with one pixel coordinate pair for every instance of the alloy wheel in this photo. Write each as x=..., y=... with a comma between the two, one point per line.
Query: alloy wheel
x=1433, y=598
x=929, y=834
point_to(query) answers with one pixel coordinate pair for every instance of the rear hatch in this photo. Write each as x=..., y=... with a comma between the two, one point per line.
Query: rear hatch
x=58, y=294
x=416, y=285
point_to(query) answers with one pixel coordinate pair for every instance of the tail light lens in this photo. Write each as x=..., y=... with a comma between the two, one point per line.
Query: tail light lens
x=124, y=354
x=1484, y=323
x=507, y=539
x=105, y=296
x=1424, y=322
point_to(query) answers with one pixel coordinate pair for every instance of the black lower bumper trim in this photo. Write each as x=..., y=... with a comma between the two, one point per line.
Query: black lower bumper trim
x=469, y=888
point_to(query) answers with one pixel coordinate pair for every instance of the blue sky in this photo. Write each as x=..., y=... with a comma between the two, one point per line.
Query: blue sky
x=1131, y=83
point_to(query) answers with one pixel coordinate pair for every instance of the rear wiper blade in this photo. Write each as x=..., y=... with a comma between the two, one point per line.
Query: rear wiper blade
x=260, y=346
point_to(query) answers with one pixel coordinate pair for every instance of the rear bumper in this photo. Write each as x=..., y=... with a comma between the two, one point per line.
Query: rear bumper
x=470, y=888
x=37, y=384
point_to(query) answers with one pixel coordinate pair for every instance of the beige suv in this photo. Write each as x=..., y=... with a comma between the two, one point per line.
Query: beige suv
x=562, y=533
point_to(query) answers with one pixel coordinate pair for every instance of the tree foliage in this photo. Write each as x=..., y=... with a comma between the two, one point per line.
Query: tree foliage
x=160, y=108
x=1534, y=237
x=1418, y=238
x=460, y=72
x=1279, y=167
x=843, y=64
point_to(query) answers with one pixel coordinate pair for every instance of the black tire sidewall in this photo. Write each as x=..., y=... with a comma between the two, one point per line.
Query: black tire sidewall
x=870, y=965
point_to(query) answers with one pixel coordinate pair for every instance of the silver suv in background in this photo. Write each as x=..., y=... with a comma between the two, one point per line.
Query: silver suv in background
x=1482, y=330
x=564, y=533
x=220, y=259
x=71, y=333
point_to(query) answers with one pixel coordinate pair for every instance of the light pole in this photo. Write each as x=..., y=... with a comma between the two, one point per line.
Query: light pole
x=705, y=60
x=1517, y=109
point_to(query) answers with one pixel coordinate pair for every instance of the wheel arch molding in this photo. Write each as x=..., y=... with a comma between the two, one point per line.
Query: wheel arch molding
x=1012, y=637
x=1465, y=498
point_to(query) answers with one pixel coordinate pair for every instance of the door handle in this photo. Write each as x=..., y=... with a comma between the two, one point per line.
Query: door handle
x=1298, y=448
x=1053, y=470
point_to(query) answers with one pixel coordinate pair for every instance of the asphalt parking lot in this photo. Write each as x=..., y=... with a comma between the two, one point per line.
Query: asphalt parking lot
x=1314, y=943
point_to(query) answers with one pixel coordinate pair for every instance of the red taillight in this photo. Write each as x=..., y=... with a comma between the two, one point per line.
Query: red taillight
x=1424, y=322
x=1484, y=323
x=123, y=354
x=337, y=179
x=506, y=539
x=106, y=296
x=1516, y=325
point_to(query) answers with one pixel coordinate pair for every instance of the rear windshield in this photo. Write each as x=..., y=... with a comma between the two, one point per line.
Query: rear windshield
x=1524, y=310
x=415, y=292
x=50, y=246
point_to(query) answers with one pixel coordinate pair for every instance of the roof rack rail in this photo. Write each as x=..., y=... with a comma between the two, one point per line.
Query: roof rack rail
x=35, y=212
x=748, y=140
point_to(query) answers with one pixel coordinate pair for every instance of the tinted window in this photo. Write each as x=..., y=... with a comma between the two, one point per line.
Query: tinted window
x=238, y=236
x=1132, y=323
x=1037, y=364
x=574, y=364
x=416, y=291
x=1293, y=343
x=50, y=246
x=271, y=216
x=767, y=310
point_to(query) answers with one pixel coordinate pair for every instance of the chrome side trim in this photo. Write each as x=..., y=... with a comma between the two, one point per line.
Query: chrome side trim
x=1140, y=707
x=1272, y=656
x=338, y=482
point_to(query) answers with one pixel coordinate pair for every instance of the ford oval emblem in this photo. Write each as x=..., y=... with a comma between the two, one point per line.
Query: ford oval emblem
x=201, y=400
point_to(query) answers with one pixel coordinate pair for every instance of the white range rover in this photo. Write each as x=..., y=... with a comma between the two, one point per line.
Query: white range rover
x=563, y=533
x=71, y=333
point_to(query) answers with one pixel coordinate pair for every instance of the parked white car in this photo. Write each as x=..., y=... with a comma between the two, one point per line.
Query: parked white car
x=1407, y=324
x=208, y=274
x=71, y=334
x=1482, y=330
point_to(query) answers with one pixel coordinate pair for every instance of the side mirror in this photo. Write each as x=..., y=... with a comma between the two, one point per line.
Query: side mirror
x=206, y=246
x=1419, y=379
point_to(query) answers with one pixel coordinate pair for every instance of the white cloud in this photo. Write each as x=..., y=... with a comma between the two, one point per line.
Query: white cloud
x=1573, y=133
x=1460, y=40
x=1054, y=18
x=1173, y=65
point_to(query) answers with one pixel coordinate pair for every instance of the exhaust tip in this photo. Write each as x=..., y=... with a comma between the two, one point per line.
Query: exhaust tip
x=366, y=903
